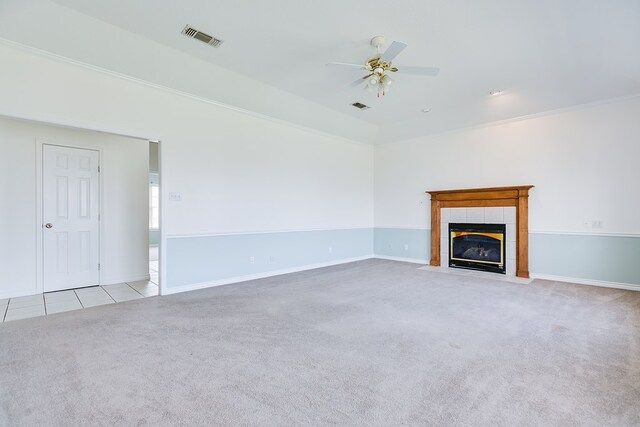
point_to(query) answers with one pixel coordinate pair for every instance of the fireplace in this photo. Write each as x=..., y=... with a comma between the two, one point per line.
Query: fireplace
x=517, y=197
x=478, y=247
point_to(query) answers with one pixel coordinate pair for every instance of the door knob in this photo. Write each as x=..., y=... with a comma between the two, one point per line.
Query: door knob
x=48, y=225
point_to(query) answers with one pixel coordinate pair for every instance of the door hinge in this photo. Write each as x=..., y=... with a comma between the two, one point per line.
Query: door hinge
x=98, y=267
x=98, y=169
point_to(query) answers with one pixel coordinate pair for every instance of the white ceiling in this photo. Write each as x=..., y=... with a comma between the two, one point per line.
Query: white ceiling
x=545, y=54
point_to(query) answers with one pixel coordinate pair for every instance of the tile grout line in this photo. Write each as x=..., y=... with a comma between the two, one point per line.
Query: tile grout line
x=78, y=298
x=44, y=300
x=134, y=289
x=107, y=292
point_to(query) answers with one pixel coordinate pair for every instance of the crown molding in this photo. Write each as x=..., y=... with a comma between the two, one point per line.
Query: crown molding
x=254, y=114
x=575, y=107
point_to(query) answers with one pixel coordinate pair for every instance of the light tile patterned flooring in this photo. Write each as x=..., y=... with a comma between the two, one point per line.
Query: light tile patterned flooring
x=74, y=299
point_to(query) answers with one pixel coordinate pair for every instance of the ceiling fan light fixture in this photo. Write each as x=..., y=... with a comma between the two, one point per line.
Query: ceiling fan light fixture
x=380, y=64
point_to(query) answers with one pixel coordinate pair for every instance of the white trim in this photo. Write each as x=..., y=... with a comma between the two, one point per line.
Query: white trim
x=17, y=294
x=402, y=259
x=584, y=233
x=229, y=233
x=146, y=277
x=39, y=255
x=116, y=74
x=271, y=273
x=23, y=293
x=590, y=282
x=162, y=240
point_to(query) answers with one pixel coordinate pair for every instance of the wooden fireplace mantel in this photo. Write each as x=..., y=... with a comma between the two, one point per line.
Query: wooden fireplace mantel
x=485, y=197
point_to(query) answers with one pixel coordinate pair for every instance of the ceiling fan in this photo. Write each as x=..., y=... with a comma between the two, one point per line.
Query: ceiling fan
x=378, y=66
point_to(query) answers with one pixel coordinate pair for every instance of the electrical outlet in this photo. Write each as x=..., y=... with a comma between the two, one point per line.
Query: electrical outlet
x=175, y=196
x=597, y=223
x=252, y=260
x=406, y=247
x=272, y=258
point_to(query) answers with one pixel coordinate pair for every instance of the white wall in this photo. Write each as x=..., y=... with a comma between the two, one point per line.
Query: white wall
x=124, y=191
x=583, y=163
x=236, y=172
x=243, y=175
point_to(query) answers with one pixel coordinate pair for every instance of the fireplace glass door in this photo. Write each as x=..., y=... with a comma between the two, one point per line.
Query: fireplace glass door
x=477, y=247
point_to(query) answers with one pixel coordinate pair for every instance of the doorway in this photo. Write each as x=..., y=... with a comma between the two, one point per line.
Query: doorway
x=154, y=212
x=71, y=215
x=118, y=198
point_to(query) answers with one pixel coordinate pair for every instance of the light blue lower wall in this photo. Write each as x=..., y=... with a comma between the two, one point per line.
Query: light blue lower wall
x=603, y=258
x=402, y=243
x=193, y=260
x=154, y=237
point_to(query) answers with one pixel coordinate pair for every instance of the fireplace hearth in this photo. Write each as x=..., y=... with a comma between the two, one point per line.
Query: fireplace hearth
x=478, y=247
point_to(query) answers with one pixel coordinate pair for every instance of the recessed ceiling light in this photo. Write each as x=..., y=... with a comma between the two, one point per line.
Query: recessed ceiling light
x=496, y=92
x=426, y=110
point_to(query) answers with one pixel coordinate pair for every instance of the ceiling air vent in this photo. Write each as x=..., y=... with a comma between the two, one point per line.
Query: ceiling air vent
x=360, y=106
x=203, y=37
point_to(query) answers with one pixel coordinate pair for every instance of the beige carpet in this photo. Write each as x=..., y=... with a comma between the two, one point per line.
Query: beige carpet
x=369, y=343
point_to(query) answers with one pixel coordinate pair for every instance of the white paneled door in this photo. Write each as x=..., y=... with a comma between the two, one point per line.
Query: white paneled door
x=70, y=226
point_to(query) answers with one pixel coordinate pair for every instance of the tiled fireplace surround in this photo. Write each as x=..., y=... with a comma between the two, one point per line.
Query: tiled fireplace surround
x=488, y=215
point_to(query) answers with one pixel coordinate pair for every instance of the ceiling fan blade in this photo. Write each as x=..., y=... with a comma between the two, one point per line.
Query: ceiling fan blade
x=392, y=51
x=421, y=71
x=345, y=65
x=360, y=81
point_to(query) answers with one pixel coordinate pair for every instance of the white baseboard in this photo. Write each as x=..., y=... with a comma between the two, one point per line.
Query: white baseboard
x=18, y=294
x=590, y=282
x=236, y=279
x=124, y=279
x=395, y=258
x=23, y=293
